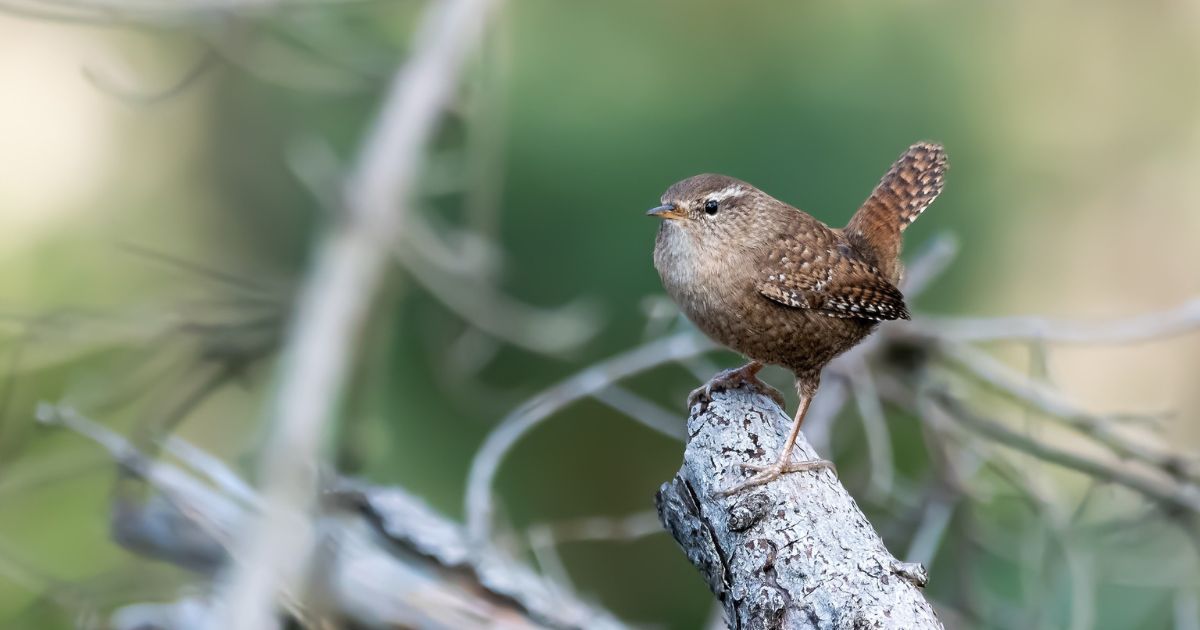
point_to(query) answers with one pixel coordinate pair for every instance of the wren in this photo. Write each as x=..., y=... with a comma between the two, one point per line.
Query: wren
x=780, y=287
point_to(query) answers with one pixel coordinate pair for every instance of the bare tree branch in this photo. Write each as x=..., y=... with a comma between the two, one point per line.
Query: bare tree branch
x=796, y=553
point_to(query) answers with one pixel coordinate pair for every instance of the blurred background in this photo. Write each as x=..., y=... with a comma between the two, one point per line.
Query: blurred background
x=164, y=179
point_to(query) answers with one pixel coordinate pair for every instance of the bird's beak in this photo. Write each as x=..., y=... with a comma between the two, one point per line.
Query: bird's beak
x=665, y=211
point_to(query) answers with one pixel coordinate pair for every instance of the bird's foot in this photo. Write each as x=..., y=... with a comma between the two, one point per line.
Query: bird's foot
x=771, y=472
x=732, y=379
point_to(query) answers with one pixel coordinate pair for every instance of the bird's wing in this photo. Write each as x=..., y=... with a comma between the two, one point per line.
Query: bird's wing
x=830, y=279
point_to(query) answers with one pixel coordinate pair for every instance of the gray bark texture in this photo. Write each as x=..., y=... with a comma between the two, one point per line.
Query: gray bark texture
x=796, y=553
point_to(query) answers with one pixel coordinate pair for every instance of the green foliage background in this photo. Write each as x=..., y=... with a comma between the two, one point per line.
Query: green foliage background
x=576, y=116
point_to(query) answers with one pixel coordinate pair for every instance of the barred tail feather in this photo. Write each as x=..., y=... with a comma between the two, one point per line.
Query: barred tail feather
x=910, y=186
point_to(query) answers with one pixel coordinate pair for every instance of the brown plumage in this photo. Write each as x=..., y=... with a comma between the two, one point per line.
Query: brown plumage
x=775, y=284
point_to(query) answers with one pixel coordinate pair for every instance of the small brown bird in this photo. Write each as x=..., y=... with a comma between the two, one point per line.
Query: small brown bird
x=781, y=287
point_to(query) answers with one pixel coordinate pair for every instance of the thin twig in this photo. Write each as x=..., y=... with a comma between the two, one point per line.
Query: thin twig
x=1141, y=328
x=155, y=14
x=140, y=96
x=1167, y=491
x=220, y=516
x=212, y=469
x=545, y=331
x=598, y=528
x=649, y=413
x=875, y=428
x=828, y=404
x=246, y=287
x=479, y=500
x=954, y=467
x=456, y=275
x=929, y=265
x=928, y=535
x=1046, y=399
x=1186, y=608
x=545, y=538
x=332, y=308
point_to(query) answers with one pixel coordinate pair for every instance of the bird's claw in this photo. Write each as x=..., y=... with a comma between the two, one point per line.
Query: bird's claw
x=771, y=472
x=732, y=379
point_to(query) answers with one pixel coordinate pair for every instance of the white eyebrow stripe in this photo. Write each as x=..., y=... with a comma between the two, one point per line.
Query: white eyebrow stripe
x=725, y=193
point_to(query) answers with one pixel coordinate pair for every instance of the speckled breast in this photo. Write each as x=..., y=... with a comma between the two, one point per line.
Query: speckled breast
x=798, y=339
x=718, y=292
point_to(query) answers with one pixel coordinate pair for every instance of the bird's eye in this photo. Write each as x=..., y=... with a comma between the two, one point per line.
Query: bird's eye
x=710, y=206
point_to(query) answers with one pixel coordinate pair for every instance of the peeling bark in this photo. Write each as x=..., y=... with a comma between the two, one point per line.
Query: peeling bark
x=796, y=553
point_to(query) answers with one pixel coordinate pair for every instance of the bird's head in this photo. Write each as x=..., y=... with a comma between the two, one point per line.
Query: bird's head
x=714, y=208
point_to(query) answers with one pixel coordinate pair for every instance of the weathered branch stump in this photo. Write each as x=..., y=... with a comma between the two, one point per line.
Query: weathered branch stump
x=796, y=553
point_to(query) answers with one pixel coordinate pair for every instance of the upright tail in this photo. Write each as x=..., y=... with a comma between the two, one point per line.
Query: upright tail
x=910, y=186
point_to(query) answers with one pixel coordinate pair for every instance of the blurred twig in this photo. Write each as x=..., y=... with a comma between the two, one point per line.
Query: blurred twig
x=1171, y=492
x=879, y=438
x=513, y=322
x=141, y=96
x=390, y=560
x=600, y=376
x=545, y=538
x=1041, y=397
x=1137, y=329
x=332, y=307
x=649, y=413
x=158, y=14
x=456, y=271
x=594, y=528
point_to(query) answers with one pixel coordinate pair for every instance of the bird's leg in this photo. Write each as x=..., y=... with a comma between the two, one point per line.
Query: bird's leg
x=771, y=472
x=732, y=379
